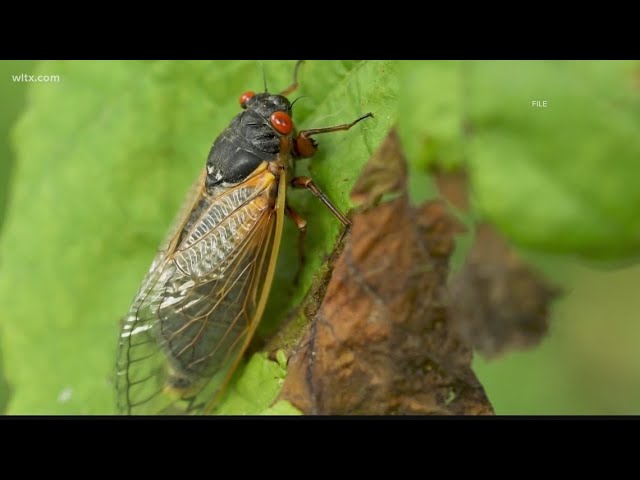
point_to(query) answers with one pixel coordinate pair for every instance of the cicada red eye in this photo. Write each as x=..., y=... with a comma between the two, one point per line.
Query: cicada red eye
x=282, y=122
x=245, y=97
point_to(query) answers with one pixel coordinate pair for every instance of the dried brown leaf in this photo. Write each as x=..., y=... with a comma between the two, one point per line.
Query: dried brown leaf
x=499, y=302
x=453, y=186
x=382, y=342
x=385, y=172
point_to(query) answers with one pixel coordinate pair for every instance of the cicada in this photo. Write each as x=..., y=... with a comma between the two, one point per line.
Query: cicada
x=206, y=290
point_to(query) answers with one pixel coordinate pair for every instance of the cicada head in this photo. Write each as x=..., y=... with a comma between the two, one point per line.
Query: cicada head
x=262, y=132
x=265, y=104
x=266, y=120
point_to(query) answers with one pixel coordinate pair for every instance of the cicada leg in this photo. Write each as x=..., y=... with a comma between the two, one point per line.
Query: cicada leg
x=304, y=147
x=301, y=224
x=309, y=184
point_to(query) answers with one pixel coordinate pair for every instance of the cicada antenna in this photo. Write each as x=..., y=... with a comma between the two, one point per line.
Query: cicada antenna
x=264, y=76
x=294, y=84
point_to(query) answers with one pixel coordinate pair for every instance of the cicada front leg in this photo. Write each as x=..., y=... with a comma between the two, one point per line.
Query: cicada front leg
x=304, y=147
x=301, y=225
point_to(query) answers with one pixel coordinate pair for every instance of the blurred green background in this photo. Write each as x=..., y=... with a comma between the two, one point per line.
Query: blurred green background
x=588, y=364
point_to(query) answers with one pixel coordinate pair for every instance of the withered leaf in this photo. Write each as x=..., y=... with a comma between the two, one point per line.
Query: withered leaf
x=453, y=186
x=499, y=302
x=385, y=172
x=382, y=342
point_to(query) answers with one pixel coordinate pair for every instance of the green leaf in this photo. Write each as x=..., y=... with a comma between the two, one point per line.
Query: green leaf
x=13, y=93
x=104, y=159
x=282, y=408
x=562, y=178
x=255, y=389
x=559, y=179
x=432, y=112
x=338, y=92
x=5, y=388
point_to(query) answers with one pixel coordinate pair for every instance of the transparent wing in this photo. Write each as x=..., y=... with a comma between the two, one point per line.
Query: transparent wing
x=201, y=301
